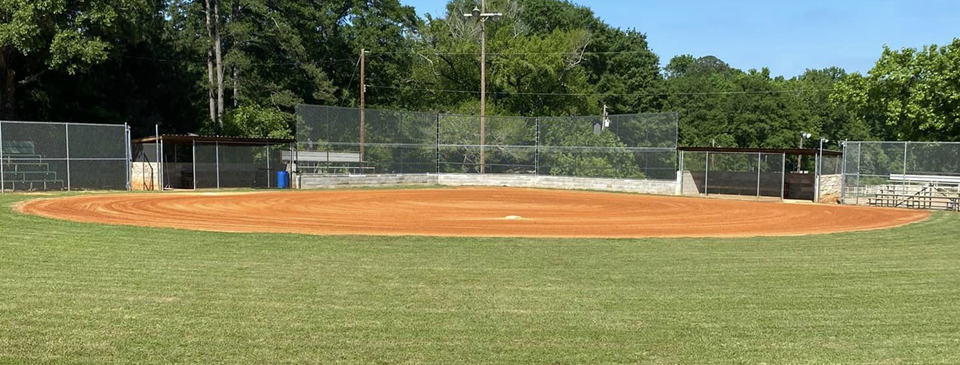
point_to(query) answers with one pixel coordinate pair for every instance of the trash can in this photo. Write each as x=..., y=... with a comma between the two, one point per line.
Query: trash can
x=283, y=180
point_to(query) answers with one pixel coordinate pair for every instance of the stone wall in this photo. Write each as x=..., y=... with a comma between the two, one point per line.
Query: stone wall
x=144, y=176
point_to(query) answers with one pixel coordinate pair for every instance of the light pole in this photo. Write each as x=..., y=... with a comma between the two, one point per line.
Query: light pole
x=481, y=15
x=803, y=135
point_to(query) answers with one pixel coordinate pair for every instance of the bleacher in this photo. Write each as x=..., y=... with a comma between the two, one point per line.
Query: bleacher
x=917, y=192
x=329, y=163
x=26, y=170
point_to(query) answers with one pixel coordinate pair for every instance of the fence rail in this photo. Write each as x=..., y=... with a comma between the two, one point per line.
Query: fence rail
x=37, y=156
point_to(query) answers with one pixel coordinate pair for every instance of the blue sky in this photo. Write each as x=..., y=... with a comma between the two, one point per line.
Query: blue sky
x=786, y=36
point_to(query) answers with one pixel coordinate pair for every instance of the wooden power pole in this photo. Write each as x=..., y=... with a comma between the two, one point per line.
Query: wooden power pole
x=363, y=100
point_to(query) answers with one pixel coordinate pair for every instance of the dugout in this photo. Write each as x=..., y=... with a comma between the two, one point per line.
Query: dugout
x=761, y=173
x=206, y=162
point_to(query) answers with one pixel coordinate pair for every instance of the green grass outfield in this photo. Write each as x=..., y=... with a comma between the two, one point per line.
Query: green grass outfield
x=79, y=293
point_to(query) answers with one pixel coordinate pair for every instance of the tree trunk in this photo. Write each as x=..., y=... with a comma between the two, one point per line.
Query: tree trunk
x=219, y=54
x=236, y=69
x=8, y=80
x=211, y=83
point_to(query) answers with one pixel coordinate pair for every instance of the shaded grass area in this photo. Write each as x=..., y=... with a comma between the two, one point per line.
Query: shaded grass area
x=79, y=293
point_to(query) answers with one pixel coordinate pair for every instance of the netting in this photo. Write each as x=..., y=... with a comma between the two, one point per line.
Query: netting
x=641, y=146
x=727, y=173
x=62, y=156
x=902, y=174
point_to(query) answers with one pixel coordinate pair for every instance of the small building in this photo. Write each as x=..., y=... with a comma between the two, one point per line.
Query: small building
x=778, y=173
x=206, y=162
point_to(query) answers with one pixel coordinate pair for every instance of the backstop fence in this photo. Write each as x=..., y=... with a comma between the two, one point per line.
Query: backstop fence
x=922, y=175
x=39, y=156
x=747, y=174
x=335, y=140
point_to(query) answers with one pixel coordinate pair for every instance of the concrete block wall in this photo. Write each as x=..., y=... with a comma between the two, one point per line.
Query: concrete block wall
x=658, y=187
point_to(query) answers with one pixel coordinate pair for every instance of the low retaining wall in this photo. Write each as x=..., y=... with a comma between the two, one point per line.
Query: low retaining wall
x=659, y=187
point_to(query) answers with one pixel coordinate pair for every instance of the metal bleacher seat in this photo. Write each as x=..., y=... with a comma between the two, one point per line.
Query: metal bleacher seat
x=25, y=169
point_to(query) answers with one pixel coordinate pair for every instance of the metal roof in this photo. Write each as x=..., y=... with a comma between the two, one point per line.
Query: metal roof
x=189, y=139
x=787, y=151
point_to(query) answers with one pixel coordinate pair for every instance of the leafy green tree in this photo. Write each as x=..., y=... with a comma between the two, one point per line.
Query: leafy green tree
x=43, y=36
x=909, y=94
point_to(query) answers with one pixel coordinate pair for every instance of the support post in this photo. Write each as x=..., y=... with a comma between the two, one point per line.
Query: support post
x=128, y=155
x=438, y=142
x=66, y=127
x=759, y=158
x=816, y=178
x=3, y=183
x=194, y=164
x=269, y=175
x=363, y=103
x=156, y=147
x=843, y=175
x=680, y=173
x=856, y=191
x=706, y=176
x=163, y=170
x=483, y=87
x=536, y=153
x=783, y=175
x=217, y=150
x=905, y=144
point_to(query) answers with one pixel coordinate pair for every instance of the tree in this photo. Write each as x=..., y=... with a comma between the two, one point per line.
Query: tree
x=909, y=94
x=40, y=36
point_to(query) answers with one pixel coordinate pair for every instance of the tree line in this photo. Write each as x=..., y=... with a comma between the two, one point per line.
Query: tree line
x=240, y=67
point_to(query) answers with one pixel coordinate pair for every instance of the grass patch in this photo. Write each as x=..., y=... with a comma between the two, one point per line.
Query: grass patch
x=79, y=293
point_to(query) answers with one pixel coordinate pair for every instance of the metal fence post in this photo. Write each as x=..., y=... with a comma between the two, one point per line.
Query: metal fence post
x=438, y=143
x=905, y=144
x=706, y=176
x=843, y=175
x=856, y=191
x=128, y=155
x=268, y=163
x=67, y=137
x=156, y=147
x=759, y=157
x=680, y=172
x=194, y=163
x=3, y=182
x=218, y=163
x=783, y=175
x=536, y=153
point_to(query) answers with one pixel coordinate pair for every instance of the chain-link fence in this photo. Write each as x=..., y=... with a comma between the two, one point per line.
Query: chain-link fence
x=331, y=140
x=38, y=156
x=748, y=174
x=902, y=174
x=188, y=164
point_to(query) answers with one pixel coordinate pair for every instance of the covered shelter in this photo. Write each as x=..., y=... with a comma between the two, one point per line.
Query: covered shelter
x=761, y=173
x=178, y=161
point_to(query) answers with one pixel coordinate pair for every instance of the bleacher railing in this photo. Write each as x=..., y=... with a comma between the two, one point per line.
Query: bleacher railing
x=41, y=156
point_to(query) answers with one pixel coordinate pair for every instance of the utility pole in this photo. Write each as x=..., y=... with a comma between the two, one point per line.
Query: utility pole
x=481, y=15
x=363, y=100
x=483, y=88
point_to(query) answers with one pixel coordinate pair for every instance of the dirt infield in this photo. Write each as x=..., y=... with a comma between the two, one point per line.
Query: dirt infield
x=471, y=212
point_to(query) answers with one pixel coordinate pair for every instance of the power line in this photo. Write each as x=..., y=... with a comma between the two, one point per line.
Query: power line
x=605, y=94
x=415, y=53
x=167, y=60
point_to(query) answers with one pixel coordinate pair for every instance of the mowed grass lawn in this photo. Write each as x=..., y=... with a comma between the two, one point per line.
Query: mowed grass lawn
x=80, y=293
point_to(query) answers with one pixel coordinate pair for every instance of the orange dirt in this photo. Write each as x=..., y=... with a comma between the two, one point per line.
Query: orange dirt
x=473, y=212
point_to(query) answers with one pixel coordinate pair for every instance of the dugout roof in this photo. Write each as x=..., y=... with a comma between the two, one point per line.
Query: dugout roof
x=787, y=151
x=189, y=139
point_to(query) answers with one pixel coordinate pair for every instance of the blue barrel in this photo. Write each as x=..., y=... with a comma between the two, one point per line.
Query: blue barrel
x=283, y=180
